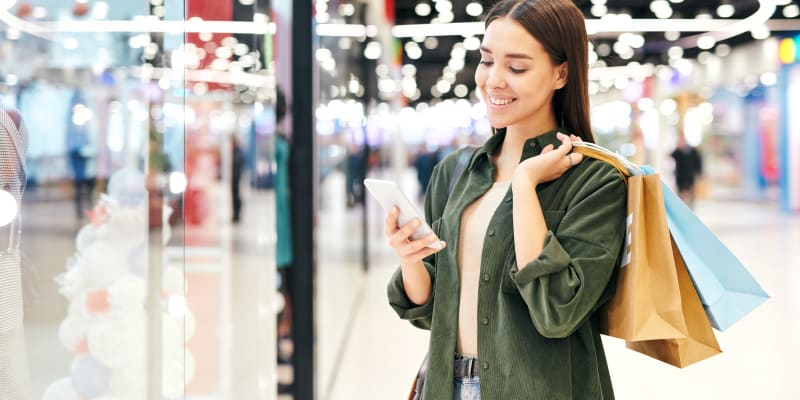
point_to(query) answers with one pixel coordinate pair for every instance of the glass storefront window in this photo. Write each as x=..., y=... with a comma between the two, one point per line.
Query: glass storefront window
x=146, y=261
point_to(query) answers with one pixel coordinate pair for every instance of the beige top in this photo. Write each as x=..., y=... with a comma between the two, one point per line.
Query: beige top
x=474, y=222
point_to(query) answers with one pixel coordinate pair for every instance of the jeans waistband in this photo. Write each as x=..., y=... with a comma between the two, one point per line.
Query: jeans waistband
x=465, y=367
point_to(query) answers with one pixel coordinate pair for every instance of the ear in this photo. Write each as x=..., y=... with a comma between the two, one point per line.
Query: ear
x=561, y=75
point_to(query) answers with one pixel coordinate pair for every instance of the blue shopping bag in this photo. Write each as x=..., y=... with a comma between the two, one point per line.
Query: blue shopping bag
x=727, y=290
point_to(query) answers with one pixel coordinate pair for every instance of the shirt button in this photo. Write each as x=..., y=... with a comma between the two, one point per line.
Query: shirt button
x=485, y=365
x=485, y=321
x=491, y=232
x=532, y=144
x=508, y=199
x=486, y=277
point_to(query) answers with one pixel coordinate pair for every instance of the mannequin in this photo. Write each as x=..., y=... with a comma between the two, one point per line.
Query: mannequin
x=14, y=374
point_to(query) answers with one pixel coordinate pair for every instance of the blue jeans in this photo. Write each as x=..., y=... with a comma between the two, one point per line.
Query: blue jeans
x=467, y=389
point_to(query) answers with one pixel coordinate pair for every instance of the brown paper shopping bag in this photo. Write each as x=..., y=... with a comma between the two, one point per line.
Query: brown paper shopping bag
x=700, y=342
x=647, y=303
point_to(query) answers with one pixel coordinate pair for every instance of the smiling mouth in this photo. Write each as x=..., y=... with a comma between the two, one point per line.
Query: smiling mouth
x=500, y=102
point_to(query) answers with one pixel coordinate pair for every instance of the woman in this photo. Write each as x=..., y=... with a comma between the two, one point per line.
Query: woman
x=533, y=231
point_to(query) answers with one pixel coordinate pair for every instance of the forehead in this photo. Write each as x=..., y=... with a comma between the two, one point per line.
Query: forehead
x=504, y=35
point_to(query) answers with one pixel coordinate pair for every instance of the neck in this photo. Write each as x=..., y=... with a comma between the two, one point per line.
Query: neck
x=517, y=135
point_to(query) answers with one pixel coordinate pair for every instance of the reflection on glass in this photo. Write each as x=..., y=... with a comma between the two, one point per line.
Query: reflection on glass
x=139, y=282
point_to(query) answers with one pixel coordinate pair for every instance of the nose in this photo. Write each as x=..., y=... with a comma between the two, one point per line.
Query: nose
x=495, y=78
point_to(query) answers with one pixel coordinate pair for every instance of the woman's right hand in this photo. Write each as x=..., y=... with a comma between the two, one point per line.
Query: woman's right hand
x=409, y=250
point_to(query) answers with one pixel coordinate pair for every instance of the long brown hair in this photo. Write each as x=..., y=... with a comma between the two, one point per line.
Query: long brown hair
x=559, y=26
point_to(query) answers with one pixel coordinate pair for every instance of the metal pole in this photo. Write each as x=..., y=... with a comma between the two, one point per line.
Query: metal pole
x=303, y=193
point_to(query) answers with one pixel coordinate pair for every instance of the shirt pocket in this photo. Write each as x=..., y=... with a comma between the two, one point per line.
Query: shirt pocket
x=552, y=220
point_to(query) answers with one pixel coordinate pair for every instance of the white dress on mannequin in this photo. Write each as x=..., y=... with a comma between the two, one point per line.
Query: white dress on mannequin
x=14, y=374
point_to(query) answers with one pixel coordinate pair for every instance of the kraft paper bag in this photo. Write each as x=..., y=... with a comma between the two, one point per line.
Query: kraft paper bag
x=700, y=342
x=647, y=303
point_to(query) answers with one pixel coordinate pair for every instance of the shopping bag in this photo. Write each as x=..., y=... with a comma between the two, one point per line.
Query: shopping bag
x=647, y=303
x=700, y=342
x=727, y=290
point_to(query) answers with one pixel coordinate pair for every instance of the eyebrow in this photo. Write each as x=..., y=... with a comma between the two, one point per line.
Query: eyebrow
x=510, y=55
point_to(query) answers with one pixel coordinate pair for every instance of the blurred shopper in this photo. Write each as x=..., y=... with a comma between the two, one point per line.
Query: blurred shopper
x=356, y=172
x=535, y=232
x=424, y=163
x=238, y=164
x=283, y=217
x=688, y=167
x=79, y=153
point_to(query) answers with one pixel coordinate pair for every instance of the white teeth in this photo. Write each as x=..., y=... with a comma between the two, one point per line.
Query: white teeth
x=500, y=102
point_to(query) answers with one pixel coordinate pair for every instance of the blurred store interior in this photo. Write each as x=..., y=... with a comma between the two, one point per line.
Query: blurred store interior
x=194, y=223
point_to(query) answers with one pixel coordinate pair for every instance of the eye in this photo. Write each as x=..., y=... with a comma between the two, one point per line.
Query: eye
x=486, y=62
x=517, y=70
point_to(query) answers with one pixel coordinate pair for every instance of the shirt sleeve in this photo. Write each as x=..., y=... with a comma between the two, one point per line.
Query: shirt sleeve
x=567, y=282
x=420, y=315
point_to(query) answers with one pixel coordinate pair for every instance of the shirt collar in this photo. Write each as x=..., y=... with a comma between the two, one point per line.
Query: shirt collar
x=533, y=146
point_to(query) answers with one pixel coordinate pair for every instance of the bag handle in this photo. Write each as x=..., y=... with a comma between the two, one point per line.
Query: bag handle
x=620, y=163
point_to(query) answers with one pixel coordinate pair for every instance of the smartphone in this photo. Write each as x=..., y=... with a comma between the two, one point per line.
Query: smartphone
x=388, y=195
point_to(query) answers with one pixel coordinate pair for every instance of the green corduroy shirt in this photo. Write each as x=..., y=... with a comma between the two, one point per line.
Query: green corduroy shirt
x=538, y=335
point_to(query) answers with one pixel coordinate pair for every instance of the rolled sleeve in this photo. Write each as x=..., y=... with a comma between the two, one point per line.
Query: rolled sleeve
x=566, y=283
x=552, y=259
x=418, y=314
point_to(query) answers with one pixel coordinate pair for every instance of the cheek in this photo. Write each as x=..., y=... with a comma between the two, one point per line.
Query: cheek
x=480, y=76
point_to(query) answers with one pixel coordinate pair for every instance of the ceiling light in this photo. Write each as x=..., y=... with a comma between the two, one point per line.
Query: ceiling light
x=431, y=43
x=423, y=9
x=414, y=53
x=782, y=2
x=472, y=43
x=704, y=57
x=41, y=12
x=347, y=9
x=661, y=9
x=760, y=32
x=676, y=1
x=373, y=51
x=443, y=86
x=706, y=42
x=726, y=10
x=100, y=10
x=675, y=52
x=409, y=70
x=446, y=17
x=599, y=2
x=444, y=6
x=672, y=35
x=704, y=15
x=768, y=78
x=722, y=50
x=474, y=9
x=603, y=49
x=791, y=11
x=461, y=90
x=599, y=10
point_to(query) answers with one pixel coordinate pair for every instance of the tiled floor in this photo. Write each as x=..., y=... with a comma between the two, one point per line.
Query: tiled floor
x=365, y=352
x=760, y=353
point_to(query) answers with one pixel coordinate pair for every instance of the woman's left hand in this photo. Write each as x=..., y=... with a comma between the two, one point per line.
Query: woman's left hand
x=550, y=164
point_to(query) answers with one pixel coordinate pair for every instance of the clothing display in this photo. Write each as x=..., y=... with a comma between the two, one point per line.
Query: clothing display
x=538, y=334
x=14, y=379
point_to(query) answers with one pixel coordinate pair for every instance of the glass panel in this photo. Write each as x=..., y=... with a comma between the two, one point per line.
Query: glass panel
x=146, y=122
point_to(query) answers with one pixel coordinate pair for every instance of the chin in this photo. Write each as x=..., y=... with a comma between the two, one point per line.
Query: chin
x=497, y=123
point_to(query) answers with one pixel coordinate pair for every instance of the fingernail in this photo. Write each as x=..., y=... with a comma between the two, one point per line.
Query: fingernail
x=443, y=244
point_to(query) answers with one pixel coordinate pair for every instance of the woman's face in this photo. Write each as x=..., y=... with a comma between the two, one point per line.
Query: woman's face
x=517, y=78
